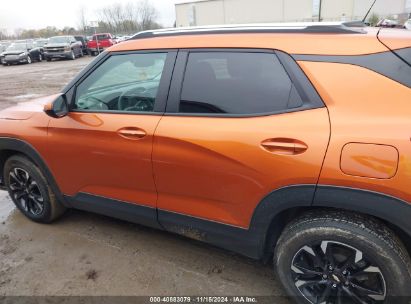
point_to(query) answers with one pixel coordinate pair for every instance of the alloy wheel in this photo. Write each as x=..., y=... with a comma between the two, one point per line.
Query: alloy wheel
x=334, y=272
x=25, y=191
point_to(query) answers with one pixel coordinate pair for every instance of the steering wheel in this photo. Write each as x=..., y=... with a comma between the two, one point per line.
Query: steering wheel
x=98, y=104
x=132, y=100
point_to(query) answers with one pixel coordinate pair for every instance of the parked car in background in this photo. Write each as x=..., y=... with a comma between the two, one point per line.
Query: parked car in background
x=116, y=39
x=4, y=45
x=63, y=47
x=83, y=40
x=39, y=44
x=99, y=43
x=21, y=52
x=387, y=23
x=407, y=24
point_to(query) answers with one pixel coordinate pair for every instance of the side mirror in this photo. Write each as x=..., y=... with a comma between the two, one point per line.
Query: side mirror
x=58, y=107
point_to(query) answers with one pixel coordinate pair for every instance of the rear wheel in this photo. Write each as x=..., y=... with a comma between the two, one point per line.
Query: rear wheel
x=342, y=258
x=29, y=190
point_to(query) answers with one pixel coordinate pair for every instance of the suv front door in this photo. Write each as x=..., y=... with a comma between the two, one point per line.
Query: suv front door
x=102, y=149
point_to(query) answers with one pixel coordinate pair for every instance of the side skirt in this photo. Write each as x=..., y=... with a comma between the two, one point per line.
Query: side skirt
x=249, y=242
x=130, y=212
x=228, y=237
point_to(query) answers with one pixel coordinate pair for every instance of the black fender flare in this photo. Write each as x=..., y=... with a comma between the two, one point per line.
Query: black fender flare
x=268, y=212
x=395, y=211
x=21, y=146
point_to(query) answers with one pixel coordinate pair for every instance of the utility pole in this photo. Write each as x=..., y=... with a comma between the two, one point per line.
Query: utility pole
x=94, y=25
x=319, y=11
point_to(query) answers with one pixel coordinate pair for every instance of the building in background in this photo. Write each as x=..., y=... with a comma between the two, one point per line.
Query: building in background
x=209, y=12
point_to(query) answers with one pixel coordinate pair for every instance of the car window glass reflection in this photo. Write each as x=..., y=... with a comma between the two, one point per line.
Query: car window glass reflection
x=122, y=83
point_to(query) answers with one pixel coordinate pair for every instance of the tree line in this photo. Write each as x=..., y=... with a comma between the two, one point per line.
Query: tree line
x=117, y=18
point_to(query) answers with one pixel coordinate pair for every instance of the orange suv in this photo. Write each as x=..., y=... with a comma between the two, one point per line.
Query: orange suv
x=288, y=142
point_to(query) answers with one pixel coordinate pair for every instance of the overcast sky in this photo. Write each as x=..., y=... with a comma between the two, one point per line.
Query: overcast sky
x=60, y=13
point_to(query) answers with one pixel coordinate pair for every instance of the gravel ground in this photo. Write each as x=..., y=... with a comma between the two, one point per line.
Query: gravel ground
x=87, y=254
x=22, y=82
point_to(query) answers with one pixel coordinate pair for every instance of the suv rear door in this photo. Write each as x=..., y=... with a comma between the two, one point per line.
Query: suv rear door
x=239, y=124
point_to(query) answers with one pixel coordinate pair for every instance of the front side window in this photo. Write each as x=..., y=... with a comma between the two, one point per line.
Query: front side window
x=122, y=83
x=236, y=83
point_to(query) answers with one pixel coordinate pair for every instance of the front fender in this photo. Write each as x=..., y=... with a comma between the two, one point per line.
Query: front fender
x=15, y=145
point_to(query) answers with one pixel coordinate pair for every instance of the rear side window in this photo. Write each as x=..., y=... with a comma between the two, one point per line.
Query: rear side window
x=236, y=83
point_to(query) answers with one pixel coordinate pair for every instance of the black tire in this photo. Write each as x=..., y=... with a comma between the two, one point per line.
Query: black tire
x=29, y=60
x=48, y=59
x=72, y=55
x=40, y=58
x=376, y=257
x=51, y=208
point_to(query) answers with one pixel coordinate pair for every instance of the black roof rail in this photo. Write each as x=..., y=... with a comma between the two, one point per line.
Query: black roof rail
x=355, y=27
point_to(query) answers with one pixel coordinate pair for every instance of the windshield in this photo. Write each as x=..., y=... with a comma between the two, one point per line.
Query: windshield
x=17, y=47
x=62, y=39
x=40, y=43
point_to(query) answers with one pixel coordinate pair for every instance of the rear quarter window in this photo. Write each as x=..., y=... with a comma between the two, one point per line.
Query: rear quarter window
x=101, y=37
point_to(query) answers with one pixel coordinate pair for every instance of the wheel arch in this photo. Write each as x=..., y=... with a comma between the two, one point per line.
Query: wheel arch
x=13, y=146
x=391, y=211
x=273, y=213
x=4, y=155
x=394, y=212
